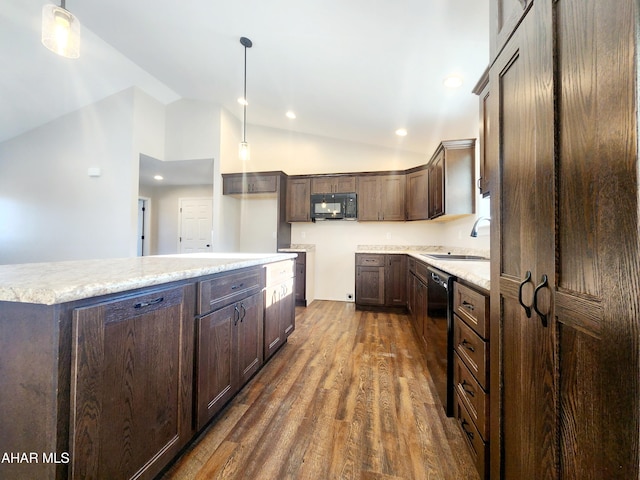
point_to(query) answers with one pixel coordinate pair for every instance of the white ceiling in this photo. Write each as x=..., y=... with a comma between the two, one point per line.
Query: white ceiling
x=350, y=69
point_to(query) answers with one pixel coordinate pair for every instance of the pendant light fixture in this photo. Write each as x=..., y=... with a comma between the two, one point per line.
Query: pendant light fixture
x=60, y=30
x=244, y=146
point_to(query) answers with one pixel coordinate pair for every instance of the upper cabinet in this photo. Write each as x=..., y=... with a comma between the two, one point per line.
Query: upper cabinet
x=451, y=180
x=417, y=194
x=381, y=197
x=252, y=182
x=333, y=184
x=487, y=155
x=298, y=200
x=505, y=15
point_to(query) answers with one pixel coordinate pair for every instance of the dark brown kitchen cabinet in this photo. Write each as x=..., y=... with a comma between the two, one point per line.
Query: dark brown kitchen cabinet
x=370, y=279
x=333, y=184
x=417, y=194
x=298, y=199
x=564, y=236
x=504, y=16
x=279, y=305
x=301, y=279
x=230, y=336
x=451, y=180
x=381, y=197
x=436, y=185
x=487, y=158
x=132, y=372
x=250, y=182
x=395, y=272
x=381, y=280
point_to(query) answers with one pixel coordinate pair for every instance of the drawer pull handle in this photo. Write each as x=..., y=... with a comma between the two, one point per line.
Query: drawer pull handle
x=244, y=312
x=544, y=283
x=236, y=315
x=467, y=345
x=469, y=434
x=235, y=287
x=527, y=308
x=468, y=388
x=468, y=305
x=149, y=303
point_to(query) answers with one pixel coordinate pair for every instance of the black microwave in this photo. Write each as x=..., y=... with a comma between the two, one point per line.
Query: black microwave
x=334, y=206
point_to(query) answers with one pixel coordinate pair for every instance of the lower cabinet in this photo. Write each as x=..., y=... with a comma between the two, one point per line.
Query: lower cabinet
x=229, y=352
x=279, y=306
x=381, y=280
x=131, y=378
x=471, y=370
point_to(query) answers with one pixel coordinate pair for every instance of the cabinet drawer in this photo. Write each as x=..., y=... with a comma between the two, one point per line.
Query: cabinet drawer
x=478, y=447
x=474, y=398
x=369, y=260
x=473, y=351
x=421, y=271
x=279, y=272
x=472, y=307
x=226, y=288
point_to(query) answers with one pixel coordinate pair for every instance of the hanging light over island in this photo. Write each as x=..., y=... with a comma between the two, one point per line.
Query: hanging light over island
x=60, y=30
x=244, y=146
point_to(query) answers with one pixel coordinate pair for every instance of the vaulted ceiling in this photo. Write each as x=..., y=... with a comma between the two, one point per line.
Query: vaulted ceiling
x=355, y=70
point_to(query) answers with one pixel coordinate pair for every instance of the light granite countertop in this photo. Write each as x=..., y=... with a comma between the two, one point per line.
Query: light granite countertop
x=299, y=247
x=60, y=282
x=475, y=272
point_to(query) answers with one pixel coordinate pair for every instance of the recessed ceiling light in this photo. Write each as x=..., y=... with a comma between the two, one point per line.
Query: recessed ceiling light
x=401, y=132
x=158, y=177
x=242, y=101
x=290, y=115
x=452, y=81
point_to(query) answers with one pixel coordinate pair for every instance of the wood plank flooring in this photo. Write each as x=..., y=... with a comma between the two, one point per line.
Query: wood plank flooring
x=348, y=397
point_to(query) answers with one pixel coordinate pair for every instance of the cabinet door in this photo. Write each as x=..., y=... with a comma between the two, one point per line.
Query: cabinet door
x=396, y=280
x=595, y=282
x=301, y=282
x=273, y=331
x=417, y=199
x=368, y=198
x=217, y=360
x=521, y=82
x=262, y=184
x=392, y=194
x=288, y=308
x=436, y=186
x=298, y=200
x=132, y=372
x=250, y=337
x=345, y=184
x=487, y=149
x=322, y=185
x=370, y=285
x=504, y=16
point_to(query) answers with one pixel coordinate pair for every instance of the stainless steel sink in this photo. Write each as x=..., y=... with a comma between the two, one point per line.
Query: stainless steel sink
x=448, y=256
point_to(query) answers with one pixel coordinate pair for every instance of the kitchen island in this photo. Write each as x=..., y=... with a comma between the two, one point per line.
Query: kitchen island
x=108, y=368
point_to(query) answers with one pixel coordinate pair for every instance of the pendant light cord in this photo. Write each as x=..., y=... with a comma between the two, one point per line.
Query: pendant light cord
x=244, y=114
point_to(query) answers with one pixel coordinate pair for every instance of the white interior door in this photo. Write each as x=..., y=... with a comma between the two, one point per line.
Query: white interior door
x=196, y=224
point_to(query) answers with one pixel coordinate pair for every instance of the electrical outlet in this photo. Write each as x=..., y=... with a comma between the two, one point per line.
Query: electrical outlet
x=349, y=297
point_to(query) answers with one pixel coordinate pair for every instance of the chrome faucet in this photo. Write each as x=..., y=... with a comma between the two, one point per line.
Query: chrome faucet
x=474, y=230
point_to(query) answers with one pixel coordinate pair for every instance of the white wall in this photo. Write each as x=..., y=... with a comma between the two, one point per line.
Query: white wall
x=50, y=209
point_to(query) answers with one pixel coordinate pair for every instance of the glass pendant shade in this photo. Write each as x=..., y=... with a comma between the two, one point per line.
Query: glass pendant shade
x=60, y=31
x=244, y=151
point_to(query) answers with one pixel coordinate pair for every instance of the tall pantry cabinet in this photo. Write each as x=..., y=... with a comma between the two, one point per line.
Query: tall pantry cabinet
x=565, y=296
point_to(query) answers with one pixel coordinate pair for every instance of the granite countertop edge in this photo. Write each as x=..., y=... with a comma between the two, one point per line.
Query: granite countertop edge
x=61, y=282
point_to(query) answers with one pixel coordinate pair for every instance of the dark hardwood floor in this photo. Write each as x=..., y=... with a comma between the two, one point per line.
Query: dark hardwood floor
x=347, y=397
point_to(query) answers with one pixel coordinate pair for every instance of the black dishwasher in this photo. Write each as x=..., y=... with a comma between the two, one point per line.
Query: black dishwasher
x=439, y=334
